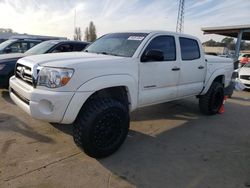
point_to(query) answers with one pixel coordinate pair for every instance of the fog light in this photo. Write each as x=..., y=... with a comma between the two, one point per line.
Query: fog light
x=46, y=107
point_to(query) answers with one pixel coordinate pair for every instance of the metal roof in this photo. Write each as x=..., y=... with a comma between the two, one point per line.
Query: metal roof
x=229, y=31
x=5, y=36
x=27, y=36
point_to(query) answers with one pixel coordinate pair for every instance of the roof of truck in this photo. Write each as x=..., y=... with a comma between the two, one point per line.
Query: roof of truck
x=158, y=32
x=68, y=41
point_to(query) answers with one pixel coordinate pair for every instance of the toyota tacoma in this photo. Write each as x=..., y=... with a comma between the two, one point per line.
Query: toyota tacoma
x=96, y=90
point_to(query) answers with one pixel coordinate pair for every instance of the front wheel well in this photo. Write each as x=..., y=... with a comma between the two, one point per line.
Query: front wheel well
x=119, y=93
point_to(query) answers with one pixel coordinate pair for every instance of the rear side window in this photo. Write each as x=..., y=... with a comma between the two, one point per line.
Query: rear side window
x=63, y=48
x=19, y=47
x=79, y=47
x=166, y=44
x=32, y=44
x=189, y=49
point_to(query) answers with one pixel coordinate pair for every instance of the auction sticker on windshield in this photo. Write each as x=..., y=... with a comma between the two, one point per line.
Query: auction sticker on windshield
x=136, y=38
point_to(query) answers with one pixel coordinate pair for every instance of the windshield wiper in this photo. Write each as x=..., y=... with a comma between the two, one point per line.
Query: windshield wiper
x=105, y=53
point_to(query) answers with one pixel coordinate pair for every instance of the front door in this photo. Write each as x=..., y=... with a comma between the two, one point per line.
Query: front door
x=158, y=78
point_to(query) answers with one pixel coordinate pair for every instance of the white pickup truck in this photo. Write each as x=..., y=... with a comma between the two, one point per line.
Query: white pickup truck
x=97, y=89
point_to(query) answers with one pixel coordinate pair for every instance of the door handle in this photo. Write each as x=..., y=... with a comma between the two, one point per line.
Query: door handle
x=201, y=67
x=175, y=69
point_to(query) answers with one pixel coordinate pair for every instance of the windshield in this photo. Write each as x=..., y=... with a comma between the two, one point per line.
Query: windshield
x=41, y=48
x=118, y=44
x=6, y=43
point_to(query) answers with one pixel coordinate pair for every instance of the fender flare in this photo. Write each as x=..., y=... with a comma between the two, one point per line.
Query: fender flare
x=211, y=79
x=108, y=81
x=88, y=88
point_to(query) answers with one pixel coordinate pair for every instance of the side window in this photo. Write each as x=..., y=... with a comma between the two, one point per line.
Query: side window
x=79, y=47
x=19, y=47
x=32, y=44
x=24, y=47
x=189, y=49
x=63, y=48
x=166, y=44
x=16, y=47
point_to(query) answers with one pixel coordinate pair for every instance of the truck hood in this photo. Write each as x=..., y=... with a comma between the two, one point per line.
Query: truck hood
x=87, y=66
x=69, y=59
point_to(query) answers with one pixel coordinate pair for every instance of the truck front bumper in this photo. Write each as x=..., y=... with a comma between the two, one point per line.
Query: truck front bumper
x=50, y=106
x=246, y=83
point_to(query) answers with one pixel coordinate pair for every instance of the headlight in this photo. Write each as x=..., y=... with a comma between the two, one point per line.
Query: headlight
x=54, y=77
x=2, y=66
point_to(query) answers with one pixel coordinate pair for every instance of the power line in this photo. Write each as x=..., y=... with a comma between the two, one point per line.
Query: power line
x=180, y=19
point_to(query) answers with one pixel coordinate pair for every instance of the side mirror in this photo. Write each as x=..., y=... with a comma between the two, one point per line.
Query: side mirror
x=7, y=50
x=153, y=55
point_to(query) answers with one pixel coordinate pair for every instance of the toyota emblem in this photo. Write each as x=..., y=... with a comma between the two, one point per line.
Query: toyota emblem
x=22, y=72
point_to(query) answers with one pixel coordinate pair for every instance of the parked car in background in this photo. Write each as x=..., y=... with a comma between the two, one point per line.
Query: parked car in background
x=244, y=59
x=17, y=45
x=244, y=75
x=8, y=61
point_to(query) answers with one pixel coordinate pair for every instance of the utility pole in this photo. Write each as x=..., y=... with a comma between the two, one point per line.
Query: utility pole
x=74, y=30
x=75, y=20
x=180, y=19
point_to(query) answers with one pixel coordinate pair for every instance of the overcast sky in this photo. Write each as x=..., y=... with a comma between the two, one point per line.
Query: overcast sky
x=56, y=17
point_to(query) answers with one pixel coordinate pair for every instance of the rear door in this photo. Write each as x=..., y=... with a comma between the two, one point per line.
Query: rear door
x=158, y=79
x=192, y=68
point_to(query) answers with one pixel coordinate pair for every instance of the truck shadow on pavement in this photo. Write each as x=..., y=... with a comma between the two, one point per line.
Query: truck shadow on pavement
x=208, y=151
x=62, y=127
x=6, y=96
x=9, y=123
x=198, y=151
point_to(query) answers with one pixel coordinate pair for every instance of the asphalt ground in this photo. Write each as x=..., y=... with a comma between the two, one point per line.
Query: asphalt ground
x=169, y=145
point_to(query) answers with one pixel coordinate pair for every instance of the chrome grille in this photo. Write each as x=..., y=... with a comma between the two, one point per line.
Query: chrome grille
x=24, y=73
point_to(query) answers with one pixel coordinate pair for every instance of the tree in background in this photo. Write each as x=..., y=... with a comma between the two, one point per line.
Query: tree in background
x=211, y=42
x=78, y=34
x=2, y=30
x=228, y=42
x=90, y=32
x=86, y=38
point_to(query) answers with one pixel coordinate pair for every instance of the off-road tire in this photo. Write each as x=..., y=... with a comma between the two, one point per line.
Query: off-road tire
x=101, y=127
x=211, y=102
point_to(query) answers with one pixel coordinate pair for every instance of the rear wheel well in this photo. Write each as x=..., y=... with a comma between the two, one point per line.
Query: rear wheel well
x=220, y=79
